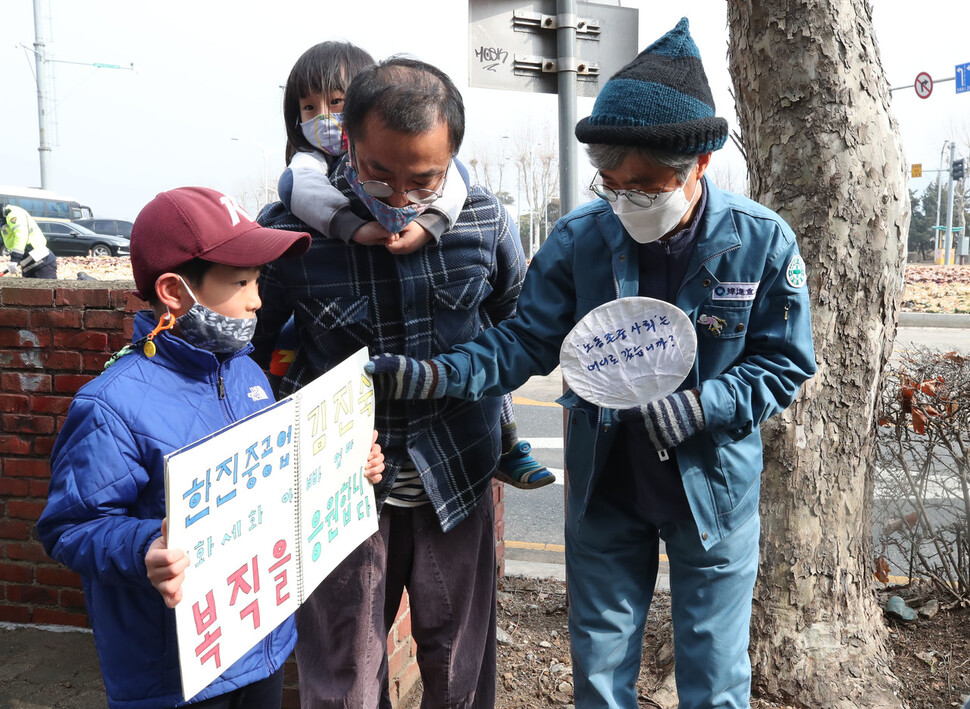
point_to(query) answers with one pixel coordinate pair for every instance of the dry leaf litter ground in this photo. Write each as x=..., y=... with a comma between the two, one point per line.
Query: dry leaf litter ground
x=928, y=289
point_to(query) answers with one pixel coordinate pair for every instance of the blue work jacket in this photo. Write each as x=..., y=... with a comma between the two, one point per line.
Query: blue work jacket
x=748, y=368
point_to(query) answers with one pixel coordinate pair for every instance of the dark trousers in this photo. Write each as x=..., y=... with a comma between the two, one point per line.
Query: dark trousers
x=450, y=577
x=264, y=694
x=47, y=268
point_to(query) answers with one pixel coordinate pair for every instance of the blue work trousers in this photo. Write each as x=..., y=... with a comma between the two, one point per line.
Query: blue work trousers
x=611, y=565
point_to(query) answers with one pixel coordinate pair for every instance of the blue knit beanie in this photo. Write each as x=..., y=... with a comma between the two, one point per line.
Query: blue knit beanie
x=661, y=100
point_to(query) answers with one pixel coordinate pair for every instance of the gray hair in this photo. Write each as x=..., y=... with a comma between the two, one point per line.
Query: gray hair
x=610, y=157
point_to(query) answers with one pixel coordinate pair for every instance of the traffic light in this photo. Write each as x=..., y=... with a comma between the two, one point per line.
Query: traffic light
x=957, y=169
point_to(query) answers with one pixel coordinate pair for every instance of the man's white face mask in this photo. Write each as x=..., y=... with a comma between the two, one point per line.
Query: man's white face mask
x=647, y=224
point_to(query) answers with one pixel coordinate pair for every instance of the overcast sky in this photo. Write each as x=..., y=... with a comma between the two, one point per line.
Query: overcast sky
x=210, y=70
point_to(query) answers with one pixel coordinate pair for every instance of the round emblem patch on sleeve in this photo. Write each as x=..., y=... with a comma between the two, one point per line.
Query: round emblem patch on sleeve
x=795, y=273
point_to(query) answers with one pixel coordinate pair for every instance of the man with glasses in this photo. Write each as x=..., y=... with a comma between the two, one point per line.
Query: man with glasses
x=405, y=121
x=685, y=468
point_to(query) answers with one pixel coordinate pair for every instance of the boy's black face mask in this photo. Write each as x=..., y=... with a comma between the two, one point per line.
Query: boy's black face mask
x=208, y=330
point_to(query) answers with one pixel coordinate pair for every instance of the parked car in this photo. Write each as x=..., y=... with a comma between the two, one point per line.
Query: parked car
x=65, y=238
x=118, y=227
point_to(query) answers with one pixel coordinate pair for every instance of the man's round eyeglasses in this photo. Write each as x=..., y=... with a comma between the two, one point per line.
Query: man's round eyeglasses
x=382, y=190
x=637, y=197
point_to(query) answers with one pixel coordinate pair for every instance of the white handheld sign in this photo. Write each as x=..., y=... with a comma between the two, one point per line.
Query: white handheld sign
x=629, y=352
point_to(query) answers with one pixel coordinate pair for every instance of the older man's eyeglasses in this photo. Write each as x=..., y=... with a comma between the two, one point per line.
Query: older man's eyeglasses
x=382, y=190
x=637, y=197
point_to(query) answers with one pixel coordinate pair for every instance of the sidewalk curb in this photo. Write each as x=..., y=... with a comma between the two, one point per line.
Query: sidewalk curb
x=961, y=320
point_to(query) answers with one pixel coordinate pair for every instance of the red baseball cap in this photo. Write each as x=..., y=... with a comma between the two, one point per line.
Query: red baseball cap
x=195, y=222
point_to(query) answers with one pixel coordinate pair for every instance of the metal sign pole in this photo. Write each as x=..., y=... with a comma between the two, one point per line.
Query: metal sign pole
x=520, y=45
x=568, y=64
x=937, y=235
x=949, y=208
x=939, y=184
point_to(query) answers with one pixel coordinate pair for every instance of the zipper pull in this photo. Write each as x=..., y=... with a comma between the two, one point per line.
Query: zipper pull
x=786, y=311
x=664, y=455
x=222, y=388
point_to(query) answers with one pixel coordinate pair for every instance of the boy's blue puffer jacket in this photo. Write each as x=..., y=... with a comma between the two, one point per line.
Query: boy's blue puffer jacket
x=107, y=501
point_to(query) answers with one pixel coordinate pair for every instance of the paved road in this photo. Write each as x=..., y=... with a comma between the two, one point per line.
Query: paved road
x=534, y=519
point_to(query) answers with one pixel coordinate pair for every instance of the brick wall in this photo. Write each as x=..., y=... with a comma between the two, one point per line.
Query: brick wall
x=52, y=340
x=54, y=337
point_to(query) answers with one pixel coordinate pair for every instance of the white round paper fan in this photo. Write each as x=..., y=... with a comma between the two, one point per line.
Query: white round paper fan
x=629, y=352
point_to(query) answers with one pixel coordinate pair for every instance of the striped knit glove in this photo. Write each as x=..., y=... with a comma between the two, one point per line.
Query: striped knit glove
x=669, y=421
x=397, y=377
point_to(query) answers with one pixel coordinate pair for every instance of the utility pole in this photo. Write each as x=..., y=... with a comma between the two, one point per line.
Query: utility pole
x=43, y=109
x=43, y=76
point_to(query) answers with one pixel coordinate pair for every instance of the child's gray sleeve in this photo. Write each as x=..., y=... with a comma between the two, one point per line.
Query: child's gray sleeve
x=315, y=201
x=442, y=215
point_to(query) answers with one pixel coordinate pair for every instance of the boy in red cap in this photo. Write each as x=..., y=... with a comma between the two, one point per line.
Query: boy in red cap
x=196, y=257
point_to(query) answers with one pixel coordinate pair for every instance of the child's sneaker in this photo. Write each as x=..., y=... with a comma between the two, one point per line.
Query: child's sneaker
x=518, y=468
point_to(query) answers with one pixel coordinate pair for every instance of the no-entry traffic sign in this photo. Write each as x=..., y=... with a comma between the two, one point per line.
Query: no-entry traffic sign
x=923, y=85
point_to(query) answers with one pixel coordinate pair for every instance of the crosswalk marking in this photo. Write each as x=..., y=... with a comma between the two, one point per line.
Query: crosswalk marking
x=554, y=443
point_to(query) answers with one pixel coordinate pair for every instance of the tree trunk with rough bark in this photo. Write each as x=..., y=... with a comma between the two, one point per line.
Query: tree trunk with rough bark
x=824, y=151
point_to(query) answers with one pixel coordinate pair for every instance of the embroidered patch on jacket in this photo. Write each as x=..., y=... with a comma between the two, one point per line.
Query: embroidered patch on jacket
x=735, y=291
x=795, y=273
x=256, y=393
x=714, y=323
